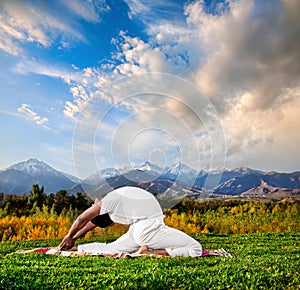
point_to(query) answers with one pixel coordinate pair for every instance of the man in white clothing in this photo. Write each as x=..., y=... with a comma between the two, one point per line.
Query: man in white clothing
x=147, y=232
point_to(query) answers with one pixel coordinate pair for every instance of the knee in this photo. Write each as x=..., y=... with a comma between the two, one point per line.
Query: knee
x=195, y=251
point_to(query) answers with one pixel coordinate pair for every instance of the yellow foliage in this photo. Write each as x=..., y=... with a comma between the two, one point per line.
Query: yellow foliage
x=33, y=227
x=205, y=230
x=245, y=218
x=234, y=210
x=186, y=222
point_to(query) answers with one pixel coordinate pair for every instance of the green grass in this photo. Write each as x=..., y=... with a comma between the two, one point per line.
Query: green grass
x=260, y=261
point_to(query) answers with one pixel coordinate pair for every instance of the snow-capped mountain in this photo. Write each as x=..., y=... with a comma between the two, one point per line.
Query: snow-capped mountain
x=20, y=177
x=34, y=167
x=181, y=173
x=150, y=167
x=147, y=166
x=245, y=170
x=101, y=175
x=181, y=168
x=174, y=181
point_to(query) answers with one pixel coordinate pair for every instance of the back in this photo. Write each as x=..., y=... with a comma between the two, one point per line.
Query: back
x=127, y=205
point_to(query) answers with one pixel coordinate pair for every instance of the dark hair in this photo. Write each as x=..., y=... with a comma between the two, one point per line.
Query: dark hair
x=102, y=221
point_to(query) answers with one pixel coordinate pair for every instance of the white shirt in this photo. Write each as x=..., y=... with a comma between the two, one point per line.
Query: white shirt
x=127, y=205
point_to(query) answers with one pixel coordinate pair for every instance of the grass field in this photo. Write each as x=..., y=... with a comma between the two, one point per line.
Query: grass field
x=260, y=261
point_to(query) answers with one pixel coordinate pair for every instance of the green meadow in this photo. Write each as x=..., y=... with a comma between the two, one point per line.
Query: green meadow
x=260, y=261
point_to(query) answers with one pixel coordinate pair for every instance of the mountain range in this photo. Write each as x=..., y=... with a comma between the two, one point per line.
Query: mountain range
x=168, y=184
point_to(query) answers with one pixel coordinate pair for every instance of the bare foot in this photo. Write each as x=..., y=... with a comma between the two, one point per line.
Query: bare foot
x=142, y=251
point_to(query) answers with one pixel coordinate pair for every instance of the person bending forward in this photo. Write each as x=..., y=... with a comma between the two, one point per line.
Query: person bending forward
x=147, y=232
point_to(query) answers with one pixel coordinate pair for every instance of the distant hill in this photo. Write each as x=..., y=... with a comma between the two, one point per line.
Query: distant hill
x=168, y=184
x=19, y=177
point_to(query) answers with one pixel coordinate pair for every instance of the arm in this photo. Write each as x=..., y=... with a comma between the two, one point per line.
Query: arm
x=69, y=241
x=88, y=227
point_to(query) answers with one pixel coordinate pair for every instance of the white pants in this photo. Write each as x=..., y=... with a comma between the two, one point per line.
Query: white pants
x=152, y=233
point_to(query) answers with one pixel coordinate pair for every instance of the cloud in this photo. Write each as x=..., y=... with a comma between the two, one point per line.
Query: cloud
x=244, y=57
x=139, y=57
x=19, y=23
x=152, y=11
x=33, y=66
x=7, y=35
x=267, y=140
x=146, y=113
x=249, y=46
x=80, y=98
x=252, y=47
x=82, y=82
x=26, y=111
x=22, y=22
x=87, y=10
x=248, y=65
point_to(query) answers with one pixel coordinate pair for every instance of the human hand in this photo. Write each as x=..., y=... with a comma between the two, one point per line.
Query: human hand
x=66, y=244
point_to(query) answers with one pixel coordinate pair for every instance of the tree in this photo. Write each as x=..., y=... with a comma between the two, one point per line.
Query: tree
x=37, y=196
x=82, y=201
x=50, y=200
x=61, y=201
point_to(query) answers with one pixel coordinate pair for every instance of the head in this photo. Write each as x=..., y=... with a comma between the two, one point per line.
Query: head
x=102, y=221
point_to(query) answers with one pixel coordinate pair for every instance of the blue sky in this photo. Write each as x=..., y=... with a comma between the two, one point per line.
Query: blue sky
x=87, y=85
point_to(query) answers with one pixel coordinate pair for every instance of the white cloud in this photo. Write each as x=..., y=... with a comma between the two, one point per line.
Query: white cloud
x=139, y=57
x=8, y=46
x=245, y=58
x=249, y=67
x=249, y=46
x=26, y=66
x=267, y=140
x=160, y=112
x=80, y=97
x=88, y=10
x=26, y=111
x=22, y=22
x=152, y=11
x=252, y=47
x=19, y=22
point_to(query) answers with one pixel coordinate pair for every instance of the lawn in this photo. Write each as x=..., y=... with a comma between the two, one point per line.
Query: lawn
x=260, y=261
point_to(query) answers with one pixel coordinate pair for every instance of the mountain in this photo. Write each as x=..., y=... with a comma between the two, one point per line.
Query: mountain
x=246, y=171
x=107, y=173
x=72, y=177
x=15, y=181
x=238, y=185
x=150, y=167
x=283, y=180
x=20, y=177
x=101, y=175
x=168, y=192
x=169, y=183
x=131, y=178
x=181, y=173
x=244, y=180
x=33, y=167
